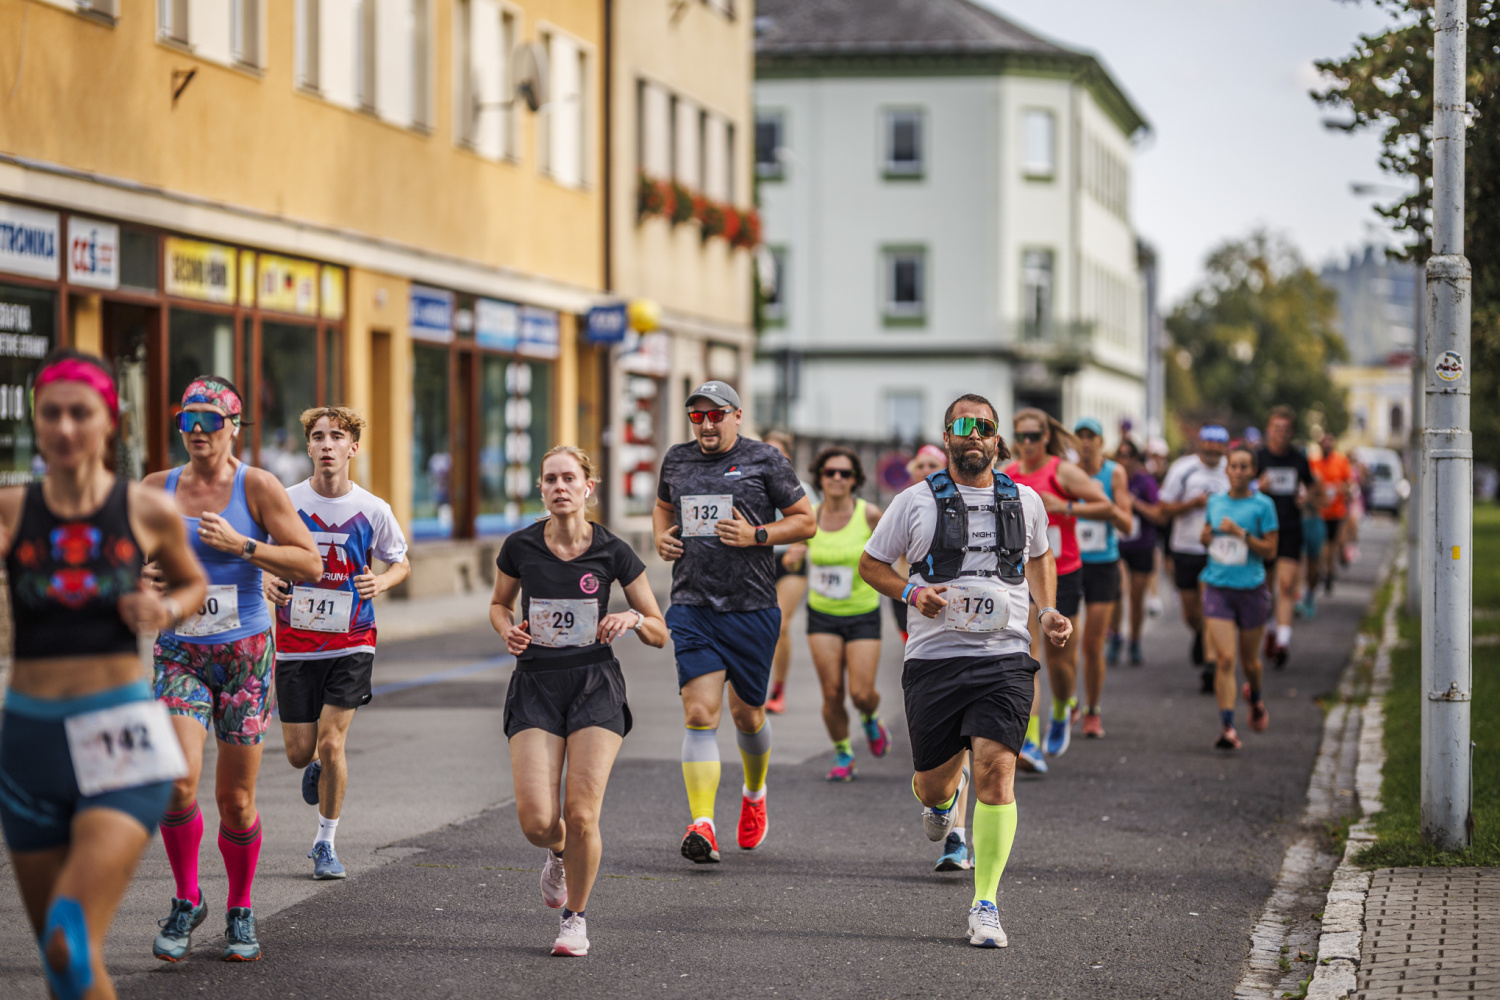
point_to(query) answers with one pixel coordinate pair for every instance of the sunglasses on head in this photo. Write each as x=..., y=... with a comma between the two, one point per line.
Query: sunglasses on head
x=200, y=420
x=1030, y=437
x=712, y=416
x=839, y=473
x=964, y=426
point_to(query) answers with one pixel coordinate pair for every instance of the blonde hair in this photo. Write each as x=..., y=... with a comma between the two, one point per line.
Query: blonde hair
x=1059, y=438
x=340, y=416
x=584, y=462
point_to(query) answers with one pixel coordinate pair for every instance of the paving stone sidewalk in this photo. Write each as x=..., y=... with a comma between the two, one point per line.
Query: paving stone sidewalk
x=1431, y=933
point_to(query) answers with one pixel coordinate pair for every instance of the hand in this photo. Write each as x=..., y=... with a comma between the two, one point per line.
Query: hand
x=1206, y=535
x=1229, y=527
x=367, y=584
x=793, y=557
x=517, y=638
x=1054, y=503
x=735, y=531
x=272, y=585
x=668, y=545
x=1057, y=626
x=616, y=625
x=151, y=573
x=144, y=610
x=1199, y=502
x=930, y=601
x=218, y=533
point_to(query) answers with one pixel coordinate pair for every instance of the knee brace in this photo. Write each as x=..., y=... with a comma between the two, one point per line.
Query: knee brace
x=73, y=982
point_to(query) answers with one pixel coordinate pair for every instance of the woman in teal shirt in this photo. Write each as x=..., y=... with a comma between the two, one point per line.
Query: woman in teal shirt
x=1240, y=532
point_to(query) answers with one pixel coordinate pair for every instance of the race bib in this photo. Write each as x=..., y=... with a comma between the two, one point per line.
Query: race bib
x=1054, y=540
x=1093, y=536
x=1228, y=550
x=1281, y=481
x=1135, y=529
x=570, y=622
x=699, y=513
x=318, y=610
x=833, y=582
x=976, y=607
x=123, y=747
x=1187, y=531
x=220, y=613
x=1330, y=493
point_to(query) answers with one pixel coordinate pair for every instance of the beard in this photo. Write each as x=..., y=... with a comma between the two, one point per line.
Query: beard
x=961, y=456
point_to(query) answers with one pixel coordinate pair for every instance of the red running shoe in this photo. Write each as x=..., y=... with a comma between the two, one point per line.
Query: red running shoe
x=753, y=823
x=776, y=704
x=1228, y=739
x=1093, y=726
x=1259, y=717
x=700, y=846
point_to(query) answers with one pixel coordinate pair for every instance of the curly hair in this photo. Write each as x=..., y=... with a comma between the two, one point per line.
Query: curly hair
x=339, y=416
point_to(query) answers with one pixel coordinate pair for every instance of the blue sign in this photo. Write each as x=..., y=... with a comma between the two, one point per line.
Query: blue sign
x=607, y=324
x=497, y=325
x=431, y=314
x=540, y=334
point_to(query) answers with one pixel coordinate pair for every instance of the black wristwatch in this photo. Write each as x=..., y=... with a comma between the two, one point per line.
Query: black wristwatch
x=760, y=536
x=249, y=548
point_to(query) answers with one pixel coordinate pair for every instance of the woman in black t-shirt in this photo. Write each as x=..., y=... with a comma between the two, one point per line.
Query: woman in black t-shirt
x=567, y=695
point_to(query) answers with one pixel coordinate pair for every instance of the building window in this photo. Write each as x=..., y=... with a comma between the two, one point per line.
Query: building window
x=484, y=39
x=769, y=139
x=565, y=121
x=729, y=161
x=308, y=48
x=773, y=290
x=1036, y=293
x=905, y=284
x=244, y=32
x=363, y=32
x=417, y=32
x=172, y=20
x=1040, y=142
x=903, y=414
x=903, y=144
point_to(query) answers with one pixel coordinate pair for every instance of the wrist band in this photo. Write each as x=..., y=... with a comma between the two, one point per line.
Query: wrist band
x=916, y=589
x=1045, y=610
x=906, y=593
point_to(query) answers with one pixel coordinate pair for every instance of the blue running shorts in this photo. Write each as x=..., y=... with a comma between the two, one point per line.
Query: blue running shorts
x=740, y=643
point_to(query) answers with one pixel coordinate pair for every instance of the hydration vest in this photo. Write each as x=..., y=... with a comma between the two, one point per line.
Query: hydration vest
x=950, y=541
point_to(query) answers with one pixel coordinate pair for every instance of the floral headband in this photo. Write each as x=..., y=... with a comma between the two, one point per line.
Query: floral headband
x=214, y=393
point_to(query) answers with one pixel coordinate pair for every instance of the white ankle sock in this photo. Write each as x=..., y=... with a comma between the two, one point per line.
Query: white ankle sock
x=1283, y=635
x=326, y=829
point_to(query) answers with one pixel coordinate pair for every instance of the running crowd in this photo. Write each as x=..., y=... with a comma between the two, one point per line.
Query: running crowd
x=992, y=559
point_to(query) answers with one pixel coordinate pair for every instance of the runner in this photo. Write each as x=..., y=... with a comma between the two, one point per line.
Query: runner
x=1314, y=534
x=1157, y=462
x=968, y=676
x=325, y=631
x=1068, y=493
x=1099, y=548
x=1285, y=476
x=77, y=821
x=566, y=704
x=1184, y=495
x=1137, y=548
x=1337, y=477
x=214, y=668
x=715, y=519
x=843, y=612
x=1239, y=532
x=928, y=459
x=791, y=589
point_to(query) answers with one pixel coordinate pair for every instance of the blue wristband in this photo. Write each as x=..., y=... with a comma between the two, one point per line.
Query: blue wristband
x=906, y=593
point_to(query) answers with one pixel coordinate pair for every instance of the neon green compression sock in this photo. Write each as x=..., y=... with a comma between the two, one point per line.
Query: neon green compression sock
x=994, y=833
x=1034, y=730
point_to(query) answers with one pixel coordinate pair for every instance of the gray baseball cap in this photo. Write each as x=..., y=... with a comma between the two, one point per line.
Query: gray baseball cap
x=716, y=392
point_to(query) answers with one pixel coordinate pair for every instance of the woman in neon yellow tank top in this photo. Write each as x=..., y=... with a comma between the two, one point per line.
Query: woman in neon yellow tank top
x=843, y=611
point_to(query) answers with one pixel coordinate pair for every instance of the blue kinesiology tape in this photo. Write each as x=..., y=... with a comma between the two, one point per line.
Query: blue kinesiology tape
x=77, y=976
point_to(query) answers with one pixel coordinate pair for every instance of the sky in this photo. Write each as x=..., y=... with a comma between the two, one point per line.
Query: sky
x=1235, y=141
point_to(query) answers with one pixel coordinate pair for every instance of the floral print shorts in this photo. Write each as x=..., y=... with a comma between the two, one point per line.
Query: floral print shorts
x=228, y=682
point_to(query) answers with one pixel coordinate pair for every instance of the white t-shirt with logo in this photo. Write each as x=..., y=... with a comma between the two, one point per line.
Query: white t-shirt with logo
x=906, y=529
x=1188, y=479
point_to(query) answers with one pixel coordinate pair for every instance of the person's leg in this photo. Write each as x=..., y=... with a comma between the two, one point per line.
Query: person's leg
x=1192, y=607
x=239, y=821
x=994, y=814
x=1222, y=645
x=790, y=590
x=1094, y=634
x=938, y=787
x=591, y=754
x=702, y=704
x=828, y=660
x=536, y=765
x=333, y=733
x=1249, y=649
x=182, y=823
x=1288, y=576
x=753, y=734
x=301, y=741
x=1138, y=584
x=862, y=658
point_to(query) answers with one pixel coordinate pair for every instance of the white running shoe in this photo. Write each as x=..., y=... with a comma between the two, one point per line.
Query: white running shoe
x=984, y=926
x=1153, y=606
x=573, y=937
x=554, y=881
x=938, y=823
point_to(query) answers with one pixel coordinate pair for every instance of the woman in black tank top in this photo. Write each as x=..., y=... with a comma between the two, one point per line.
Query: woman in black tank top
x=86, y=755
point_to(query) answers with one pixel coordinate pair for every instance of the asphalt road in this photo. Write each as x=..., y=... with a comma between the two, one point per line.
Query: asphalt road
x=1140, y=865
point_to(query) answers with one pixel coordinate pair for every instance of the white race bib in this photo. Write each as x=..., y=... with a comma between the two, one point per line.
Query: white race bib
x=699, y=514
x=1054, y=540
x=1187, y=531
x=1281, y=481
x=833, y=582
x=1135, y=529
x=1330, y=494
x=559, y=622
x=1093, y=536
x=123, y=747
x=976, y=606
x=1228, y=550
x=220, y=613
x=320, y=610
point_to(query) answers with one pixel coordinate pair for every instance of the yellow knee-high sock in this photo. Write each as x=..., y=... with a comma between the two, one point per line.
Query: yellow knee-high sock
x=700, y=771
x=1034, y=730
x=994, y=832
x=755, y=753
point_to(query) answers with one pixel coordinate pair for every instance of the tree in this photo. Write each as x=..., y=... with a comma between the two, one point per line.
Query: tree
x=1386, y=84
x=1260, y=330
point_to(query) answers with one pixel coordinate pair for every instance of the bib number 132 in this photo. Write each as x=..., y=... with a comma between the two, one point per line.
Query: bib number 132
x=700, y=513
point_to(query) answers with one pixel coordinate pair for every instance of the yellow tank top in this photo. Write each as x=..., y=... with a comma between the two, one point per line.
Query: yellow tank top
x=834, y=586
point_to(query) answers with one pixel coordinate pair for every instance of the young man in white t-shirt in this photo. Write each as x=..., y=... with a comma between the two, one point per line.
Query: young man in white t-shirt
x=325, y=628
x=1190, y=481
x=968, y=669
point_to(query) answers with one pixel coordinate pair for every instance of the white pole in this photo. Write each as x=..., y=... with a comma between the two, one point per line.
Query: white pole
x=1448, y=453
x=1414, y=449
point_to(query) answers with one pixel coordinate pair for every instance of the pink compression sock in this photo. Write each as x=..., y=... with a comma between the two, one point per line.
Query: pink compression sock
x=241, y=850
x=181, y=835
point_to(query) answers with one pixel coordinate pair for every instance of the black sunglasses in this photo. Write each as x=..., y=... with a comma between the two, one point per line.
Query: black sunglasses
x=1030, y=437
x=839, y=473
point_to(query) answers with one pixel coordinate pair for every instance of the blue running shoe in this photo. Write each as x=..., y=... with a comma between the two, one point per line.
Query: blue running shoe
x=1112, y=649
x=325, y=861
x=176, y=935
x=1030, y=758
x=240, y=942
x=1059, y=735
x=938, y=823
x=956, y=855
x=310, y=776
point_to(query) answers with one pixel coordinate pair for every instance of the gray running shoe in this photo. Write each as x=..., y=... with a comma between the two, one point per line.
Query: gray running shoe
x=240, y=943
x=176, y=935
x=938, y=823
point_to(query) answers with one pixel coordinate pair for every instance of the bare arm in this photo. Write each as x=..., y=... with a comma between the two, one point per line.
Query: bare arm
x=653, y=630
x=872, y=515
x=1124, y=513
x=797, y=524
x=370, y=584
x=927, y=599
x=163, y=534
x=1090, y=501
x=665, y=531
x=293, y=556
x=1170, y=509
x=502, y=614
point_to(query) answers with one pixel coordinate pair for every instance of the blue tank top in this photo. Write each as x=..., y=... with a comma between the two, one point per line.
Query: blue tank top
x=225, y=570
x=1090, y=548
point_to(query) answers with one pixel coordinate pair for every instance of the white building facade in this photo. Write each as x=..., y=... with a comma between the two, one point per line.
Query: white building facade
x=947, y=199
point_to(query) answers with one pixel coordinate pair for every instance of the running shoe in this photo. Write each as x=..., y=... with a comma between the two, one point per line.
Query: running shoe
x=176, y=935
x=240, y=943
x=699, y=845
x=1093, y=726
x=956, y=855
x=1350, y=555
x=1197, y=649
x=1328, y=585
x=310, y=777
x=753, y=823
x=1207, y=687
x=1228, y=740
x=843, y=767
x=1279, y=658
x=555, y=881
x=325, y=861
x=1059, y=736
x=1153, y=606
x=1259, y=717
x=877, y=736
x=572, y=937
x=984, y=926
x=776, y=703
x=938, y=823
x=1135, y=654
x=1031, y=759
x=1112, y=648
x=1268, y=649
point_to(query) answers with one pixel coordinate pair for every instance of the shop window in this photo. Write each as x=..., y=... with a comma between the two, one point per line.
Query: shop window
x=28, y=321
x=769, y=140
x=199, y=343
x=431, y=451
x=1039, y=149
x=288, y=385
x=903, y=144
x=515, y=432
x=139, y=260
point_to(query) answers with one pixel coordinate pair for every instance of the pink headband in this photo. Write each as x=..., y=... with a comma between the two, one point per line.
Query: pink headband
x=933, y=450
x=78, y=370
x=214, y=393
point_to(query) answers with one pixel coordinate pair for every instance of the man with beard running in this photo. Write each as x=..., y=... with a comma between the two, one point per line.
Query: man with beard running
x=1184, y=496
x=977, y=545
x=1285, y=477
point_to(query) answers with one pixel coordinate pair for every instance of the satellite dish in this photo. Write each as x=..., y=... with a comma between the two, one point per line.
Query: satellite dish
x=530, y=77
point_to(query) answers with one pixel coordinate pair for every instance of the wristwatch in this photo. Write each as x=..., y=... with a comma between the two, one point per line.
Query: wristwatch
x=249, y=548
x=760, y=536
x=640, y=620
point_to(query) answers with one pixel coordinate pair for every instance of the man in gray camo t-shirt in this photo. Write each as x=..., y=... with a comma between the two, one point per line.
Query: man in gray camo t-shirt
x=715, y=518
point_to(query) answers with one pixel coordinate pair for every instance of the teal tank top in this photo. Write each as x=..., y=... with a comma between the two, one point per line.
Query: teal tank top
x=1097, y=542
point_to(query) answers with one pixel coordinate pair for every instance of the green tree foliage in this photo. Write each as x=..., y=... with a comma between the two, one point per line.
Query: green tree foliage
x=1386, y=84
x=1260, y=330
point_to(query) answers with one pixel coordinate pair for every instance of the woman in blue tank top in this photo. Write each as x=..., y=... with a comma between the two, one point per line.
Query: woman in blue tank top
x=1099, y=548
x=214, y=668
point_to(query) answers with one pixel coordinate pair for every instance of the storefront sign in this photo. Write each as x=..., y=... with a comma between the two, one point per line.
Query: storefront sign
x=431, y=314
x=247, y=279
x=333, y=292
x=287, y=285
x=27, y=320
x=497, y=325
x=28, y=241
x=646, y=354
x=93, y=253
x=540, y=333
x=204, y=271
x=607, y=324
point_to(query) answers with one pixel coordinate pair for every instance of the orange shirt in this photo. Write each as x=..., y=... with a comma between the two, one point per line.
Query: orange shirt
x=1335, y=471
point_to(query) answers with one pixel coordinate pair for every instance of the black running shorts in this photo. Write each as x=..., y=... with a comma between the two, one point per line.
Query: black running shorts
x=1139, y=560
x=1070, y=592
x=1289, y=541
x=303, y=687
x=951, y=701
x=1187, y=567
x=563, y=700
x=846, y=627
x=1101, y=582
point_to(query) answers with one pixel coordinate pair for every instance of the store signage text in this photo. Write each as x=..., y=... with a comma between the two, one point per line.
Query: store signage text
x=540, y=335
x=93, y=253
x=287, y=285
x=28, y=241
x=204, y=271
x=497, y=325
x=431, y=314
x=606, y=324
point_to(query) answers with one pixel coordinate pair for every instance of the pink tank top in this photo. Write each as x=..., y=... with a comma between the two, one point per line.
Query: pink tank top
x=1059, y=526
